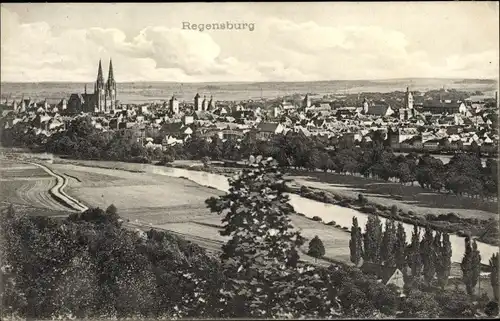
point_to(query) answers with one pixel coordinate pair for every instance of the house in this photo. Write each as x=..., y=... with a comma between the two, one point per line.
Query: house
x=266, y=130
x=176, y=129
x=381, y=110
x=386, y=275
x=401, y=134
x=444, y=107
x=431, y=144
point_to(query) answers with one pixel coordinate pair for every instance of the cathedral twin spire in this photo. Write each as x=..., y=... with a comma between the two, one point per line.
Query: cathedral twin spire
x=100, y=79
x=105, y=92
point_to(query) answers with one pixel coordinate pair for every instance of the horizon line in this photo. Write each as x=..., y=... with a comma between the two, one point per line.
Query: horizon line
x=255, y=82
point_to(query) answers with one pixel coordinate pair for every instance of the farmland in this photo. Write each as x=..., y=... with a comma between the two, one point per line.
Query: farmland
x=27, y=185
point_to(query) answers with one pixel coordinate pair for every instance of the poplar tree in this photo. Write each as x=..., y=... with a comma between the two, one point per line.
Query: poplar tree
x=388, y=242
x=494, y=275
x=399, y=248
x=414, y=257
x=429, y=255
x=355, y=244
x=373, y=239
x=443, y=266
x=471, y=265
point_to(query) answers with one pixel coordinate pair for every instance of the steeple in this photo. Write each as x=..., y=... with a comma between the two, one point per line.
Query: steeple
x=100, y=78
x=111, y=77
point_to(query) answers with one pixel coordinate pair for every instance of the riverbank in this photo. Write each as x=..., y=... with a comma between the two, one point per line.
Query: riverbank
x=484, y=230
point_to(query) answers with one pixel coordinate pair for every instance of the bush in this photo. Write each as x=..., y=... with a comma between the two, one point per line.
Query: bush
x=430, y=217
x=345, y=202
x=316, y=248
x=317, y=218
x=328, y=198
x=450, y=217
x=362, y=199
x=369, y=209
x=332, y=223
x=304, y=190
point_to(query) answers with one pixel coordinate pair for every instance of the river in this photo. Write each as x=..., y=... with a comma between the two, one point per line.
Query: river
x=328, y=212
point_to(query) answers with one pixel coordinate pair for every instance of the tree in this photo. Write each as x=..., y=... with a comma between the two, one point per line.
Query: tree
x=471, y=264
x=399, y=248
x=394, y=211
x=443, y=262
x=356, y=242
x=388, y=241
x=112, y=210
x=494, y=275
x=362, y=199
x=414, y=257
x=206, y=161
x=261, y=278
x=316, y=248
x=313, y=159
x=420, y=305
x=429, y=256
x=216, y=147
x=373, y=239
x=326, y=163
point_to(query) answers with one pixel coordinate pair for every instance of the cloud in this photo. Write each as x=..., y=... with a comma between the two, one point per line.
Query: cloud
x=278, y=50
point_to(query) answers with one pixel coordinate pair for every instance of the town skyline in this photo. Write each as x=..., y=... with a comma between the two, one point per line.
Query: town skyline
x=292, y=44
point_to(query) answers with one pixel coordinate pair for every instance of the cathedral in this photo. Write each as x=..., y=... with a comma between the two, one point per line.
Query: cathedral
x=102, y=100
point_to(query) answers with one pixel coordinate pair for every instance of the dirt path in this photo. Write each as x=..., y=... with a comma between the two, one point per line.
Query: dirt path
x=57, y=191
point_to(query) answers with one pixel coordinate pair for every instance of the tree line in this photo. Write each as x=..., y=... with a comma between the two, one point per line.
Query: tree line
x=426, y=257
x=463, y=175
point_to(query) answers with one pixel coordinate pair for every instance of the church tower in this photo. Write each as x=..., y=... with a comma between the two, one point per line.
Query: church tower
x=408, y=99
x=110, y=89
x=99, y=90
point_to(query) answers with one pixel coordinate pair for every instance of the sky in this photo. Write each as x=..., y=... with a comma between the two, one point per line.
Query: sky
x=289, y=41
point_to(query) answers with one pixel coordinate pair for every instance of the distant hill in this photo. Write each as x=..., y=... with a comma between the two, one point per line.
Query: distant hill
x=139, y=92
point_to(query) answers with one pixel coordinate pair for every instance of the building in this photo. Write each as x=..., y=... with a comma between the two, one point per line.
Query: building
x=266, y=130
x=173, y=105
x=407, y=112
x=197, y=103
x=380, y=109
x=211, y=104
x=444, y=107
x=386, y=275
x=103, y=100
x=204, y=104
x=306, y=103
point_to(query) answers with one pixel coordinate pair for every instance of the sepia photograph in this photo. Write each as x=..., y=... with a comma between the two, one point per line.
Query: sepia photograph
x=269, y=160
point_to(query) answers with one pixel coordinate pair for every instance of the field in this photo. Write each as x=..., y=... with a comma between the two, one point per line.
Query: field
x=27, y=185
x=175, y=204
x=147, y=198
x=407, y=198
